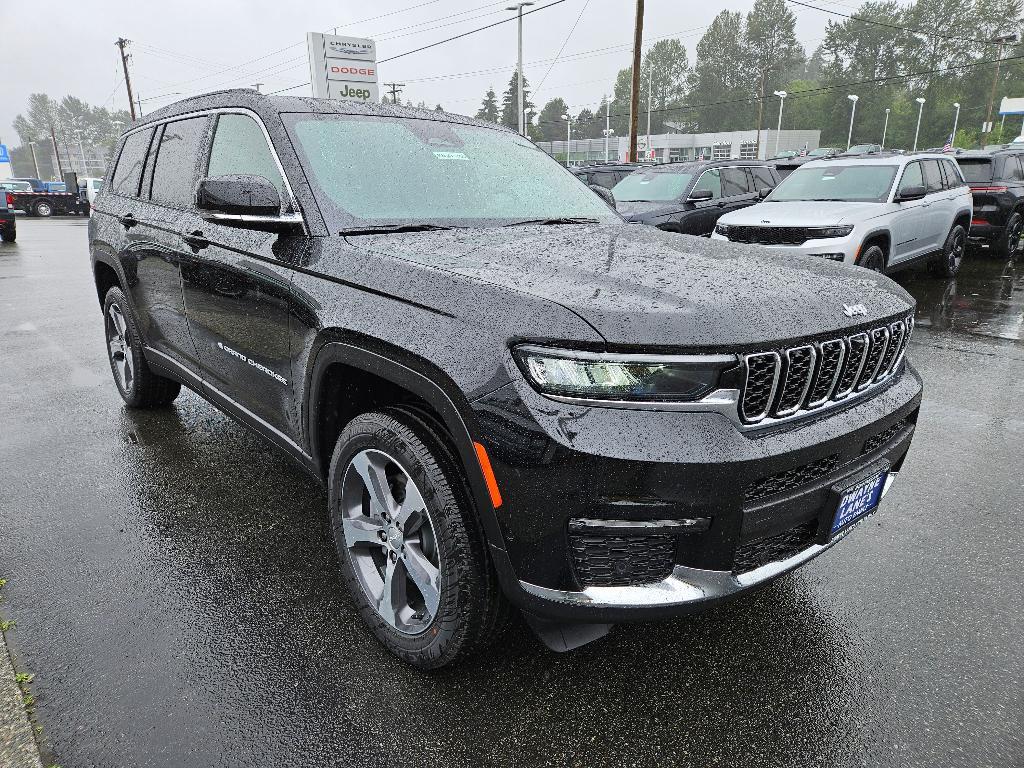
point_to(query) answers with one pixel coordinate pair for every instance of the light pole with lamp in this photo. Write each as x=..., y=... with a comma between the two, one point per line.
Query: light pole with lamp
x=885, y=128
x=568, y=137
x=782, y=102
x=518, y=8
x=650, y=77
x=608, y=132
x=853, y=111
x=956, y=119
x=35, y=163
x=920, y=111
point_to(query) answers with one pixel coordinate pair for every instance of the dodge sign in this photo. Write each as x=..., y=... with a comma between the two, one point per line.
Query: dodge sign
x=343, y=67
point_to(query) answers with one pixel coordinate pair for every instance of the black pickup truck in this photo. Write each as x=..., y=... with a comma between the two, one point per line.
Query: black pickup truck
x=42, y=200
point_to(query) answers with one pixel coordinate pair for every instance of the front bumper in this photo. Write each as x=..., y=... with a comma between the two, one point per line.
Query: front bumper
x=843, y=249
x=557, y=463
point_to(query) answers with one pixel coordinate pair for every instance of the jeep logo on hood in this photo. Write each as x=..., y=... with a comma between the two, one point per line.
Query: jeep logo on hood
x=855, y=310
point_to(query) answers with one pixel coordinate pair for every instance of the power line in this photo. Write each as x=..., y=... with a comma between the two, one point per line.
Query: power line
x=559, y=54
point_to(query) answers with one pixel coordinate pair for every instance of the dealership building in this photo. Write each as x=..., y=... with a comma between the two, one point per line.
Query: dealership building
x=677, y=147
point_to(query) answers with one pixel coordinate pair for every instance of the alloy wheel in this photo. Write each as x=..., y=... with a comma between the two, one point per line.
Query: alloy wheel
x=956, y=251
x=1013, y=236
x=391, y=541
x=119, y=347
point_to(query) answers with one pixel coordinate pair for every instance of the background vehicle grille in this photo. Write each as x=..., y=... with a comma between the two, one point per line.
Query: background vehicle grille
x=768, y=235
x=606, y=561
x=782, y=546
x=779, y=384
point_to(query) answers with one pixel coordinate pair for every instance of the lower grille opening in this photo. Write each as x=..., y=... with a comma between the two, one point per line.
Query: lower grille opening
x=781, y=482
x=877, y=441
x=782, y=546
x=614, y=561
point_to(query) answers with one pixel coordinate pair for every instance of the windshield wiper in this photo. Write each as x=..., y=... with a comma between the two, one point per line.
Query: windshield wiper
x=389, y=228
x=554, y=221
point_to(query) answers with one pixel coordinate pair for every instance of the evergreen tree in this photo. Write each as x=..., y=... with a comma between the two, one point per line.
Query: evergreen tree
x=720, y=78
x=489, y=108
x=550, y=124
x=510, y=102
x=773, y=54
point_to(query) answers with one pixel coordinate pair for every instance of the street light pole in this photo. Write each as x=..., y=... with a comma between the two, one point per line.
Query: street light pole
x=650, y=77
x=885, y=127
x=782, y=100
x=920, y=110
x=518, y=8
x=35, y=163
x=1000, y=40
x=568, y=137
x=956, y=120
x=853, y=111
x=607, y=125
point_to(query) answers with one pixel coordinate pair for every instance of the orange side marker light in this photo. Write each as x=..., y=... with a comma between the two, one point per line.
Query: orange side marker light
x=485, y=467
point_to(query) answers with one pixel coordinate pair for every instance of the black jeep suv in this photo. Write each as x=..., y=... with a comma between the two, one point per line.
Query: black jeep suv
x=997, y=183
x=513, y=397
x=690, y=197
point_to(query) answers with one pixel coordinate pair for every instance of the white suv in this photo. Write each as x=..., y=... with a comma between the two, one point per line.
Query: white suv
x=883, y=212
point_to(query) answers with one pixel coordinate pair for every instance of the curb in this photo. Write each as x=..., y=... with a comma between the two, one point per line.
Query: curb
x=18, y=748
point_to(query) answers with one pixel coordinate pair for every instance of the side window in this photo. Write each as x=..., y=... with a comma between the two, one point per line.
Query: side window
x=174, y=174
x=763, y=178
x=129, y=166
x=933, y=176
x=911, y=176
x=1012, y=169
x=240, y=147
x=711, y=179
x=734, y=182
x=953, y=178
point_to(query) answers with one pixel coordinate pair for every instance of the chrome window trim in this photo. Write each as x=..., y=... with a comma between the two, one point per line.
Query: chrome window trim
x=807, y=384
x=746, y=377
x=835, y=376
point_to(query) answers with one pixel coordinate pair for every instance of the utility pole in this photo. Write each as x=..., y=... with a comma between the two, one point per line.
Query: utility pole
x=634, y=88
x=999, y=40
x=395, y=88
x=121, y=43
x=518, y=8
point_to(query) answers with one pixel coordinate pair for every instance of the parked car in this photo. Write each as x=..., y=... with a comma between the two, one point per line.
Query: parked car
x=689, y=197
x=8, y=223
x=996, y=179
x=605, y=175
x=863, y=149
x=38, y=185
x=884, y=213
x=15, y=185
x=785, y=155
x=512, y=396
x=788, y=165
x=89, y=187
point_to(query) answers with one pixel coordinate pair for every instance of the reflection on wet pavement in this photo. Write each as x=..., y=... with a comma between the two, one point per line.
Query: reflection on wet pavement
x=986, y=298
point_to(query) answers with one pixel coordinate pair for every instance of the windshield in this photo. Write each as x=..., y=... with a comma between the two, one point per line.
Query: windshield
x=384, y=171
x=846, y=183
x=651, y=187
x=976, y=170
x=821, y=151
x=860, y=149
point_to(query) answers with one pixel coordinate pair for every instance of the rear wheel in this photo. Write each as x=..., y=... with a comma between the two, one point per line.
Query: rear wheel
x=1008, y=244
x=138, y=385
x=410, y=551
x=947, y=264
x=43, y=208
x=873, y=258
x=9, y=234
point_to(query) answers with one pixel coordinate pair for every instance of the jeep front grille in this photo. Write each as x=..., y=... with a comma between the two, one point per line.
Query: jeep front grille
x=781, y=383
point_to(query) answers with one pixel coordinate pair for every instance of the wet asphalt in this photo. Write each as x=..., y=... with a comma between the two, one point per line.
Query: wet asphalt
x=175, y=595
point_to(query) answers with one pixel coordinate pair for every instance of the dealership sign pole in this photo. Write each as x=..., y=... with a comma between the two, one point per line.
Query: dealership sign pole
x=343, y=67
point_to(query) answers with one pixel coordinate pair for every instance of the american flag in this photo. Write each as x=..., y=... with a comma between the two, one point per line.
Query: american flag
x=948, y=146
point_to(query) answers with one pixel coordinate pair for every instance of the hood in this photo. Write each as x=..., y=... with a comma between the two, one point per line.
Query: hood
x=804, y=214
x=639, y=210
x=642, y=286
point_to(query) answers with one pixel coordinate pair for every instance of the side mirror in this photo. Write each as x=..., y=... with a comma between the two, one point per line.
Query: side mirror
x=908, y=194
x=700, y=196
x=764, y=192
x=604, y=193
x=244, y=201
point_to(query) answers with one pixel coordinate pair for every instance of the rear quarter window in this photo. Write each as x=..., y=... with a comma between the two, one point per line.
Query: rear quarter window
x=128, y=170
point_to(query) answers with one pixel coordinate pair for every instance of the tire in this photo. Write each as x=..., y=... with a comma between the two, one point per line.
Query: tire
x=9, y=234
x=1008, y=244
x=947, y=264
x=460, y=607
x=138, y=385
x=43, y=209
x=873, y=258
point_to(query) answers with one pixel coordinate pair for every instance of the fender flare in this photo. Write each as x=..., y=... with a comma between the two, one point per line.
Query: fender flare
x=424, y=387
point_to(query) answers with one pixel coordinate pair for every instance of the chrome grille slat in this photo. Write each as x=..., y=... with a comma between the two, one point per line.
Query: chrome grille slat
x=779, y=384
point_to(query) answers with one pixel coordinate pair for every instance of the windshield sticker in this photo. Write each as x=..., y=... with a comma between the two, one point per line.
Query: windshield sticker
x=450, y=156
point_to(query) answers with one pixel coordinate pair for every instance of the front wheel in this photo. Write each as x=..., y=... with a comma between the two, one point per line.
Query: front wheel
x=43, y=209
x=872, y=258
x=410, y=551
x=947, y=263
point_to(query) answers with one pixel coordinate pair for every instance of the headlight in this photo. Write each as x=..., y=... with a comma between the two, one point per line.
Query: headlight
x=599, y=376
x=817, y=233
x=722, y=229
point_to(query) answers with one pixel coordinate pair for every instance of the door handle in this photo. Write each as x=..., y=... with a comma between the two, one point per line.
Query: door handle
x=195, y=240
x=128, y=221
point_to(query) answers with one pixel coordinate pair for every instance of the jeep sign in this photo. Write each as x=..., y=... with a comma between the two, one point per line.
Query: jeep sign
x=343, y=67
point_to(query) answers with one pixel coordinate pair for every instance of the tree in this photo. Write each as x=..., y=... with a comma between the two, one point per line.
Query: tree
x=719, y=78
x=550, y=123
x=771, y=50
x=510, y=103
x=489, y=108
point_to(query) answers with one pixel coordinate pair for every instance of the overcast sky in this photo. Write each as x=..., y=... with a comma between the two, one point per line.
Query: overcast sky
x=190, y=46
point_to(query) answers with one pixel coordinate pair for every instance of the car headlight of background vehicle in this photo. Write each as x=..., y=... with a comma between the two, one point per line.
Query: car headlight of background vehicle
x=819, y=233
x=610, y=376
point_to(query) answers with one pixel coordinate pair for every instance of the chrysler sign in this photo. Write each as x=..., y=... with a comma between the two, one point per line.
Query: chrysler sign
x=343, y=67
